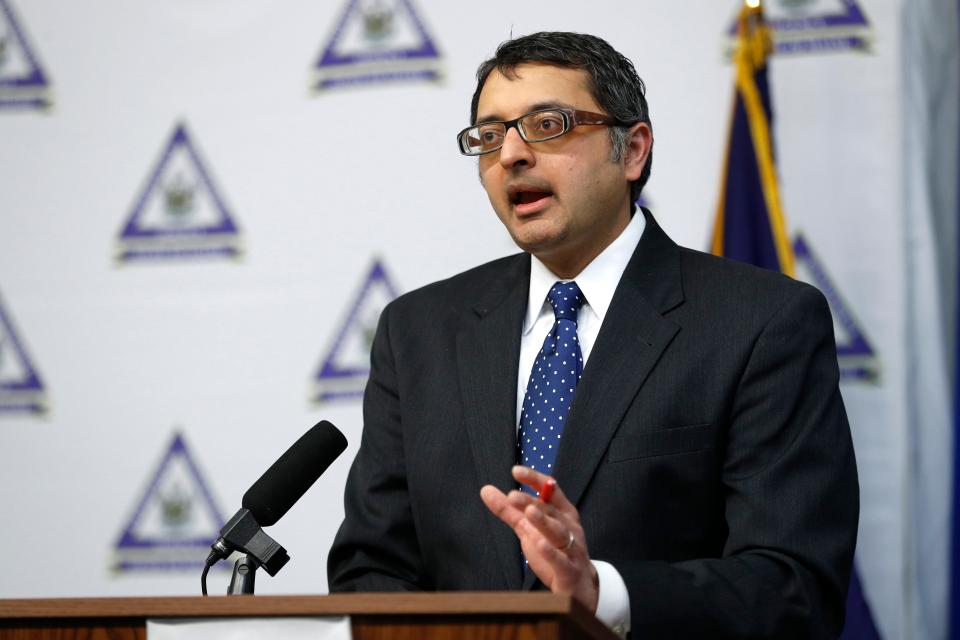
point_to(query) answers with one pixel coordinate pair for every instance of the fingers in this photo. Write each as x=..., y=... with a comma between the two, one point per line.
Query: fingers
x=553, y=529
x=536, y=480
x=544, y=530
x=563, y=567
x=498, y=504
x=527, y=476
x=533, y=520
x=508, y=507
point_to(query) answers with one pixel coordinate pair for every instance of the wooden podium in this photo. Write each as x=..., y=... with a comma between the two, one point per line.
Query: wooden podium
x=480, y=616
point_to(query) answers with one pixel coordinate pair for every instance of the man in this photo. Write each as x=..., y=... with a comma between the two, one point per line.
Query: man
x=706, y=478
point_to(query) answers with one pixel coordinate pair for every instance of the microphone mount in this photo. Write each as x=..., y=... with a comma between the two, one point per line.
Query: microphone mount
x=243, y=533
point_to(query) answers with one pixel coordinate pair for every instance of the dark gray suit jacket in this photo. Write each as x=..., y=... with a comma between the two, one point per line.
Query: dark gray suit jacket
x=707, y=448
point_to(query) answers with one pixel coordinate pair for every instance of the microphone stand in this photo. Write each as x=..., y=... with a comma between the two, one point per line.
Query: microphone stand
x=244, y=576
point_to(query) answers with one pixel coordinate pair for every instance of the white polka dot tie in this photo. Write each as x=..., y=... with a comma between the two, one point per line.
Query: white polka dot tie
x=553, y=380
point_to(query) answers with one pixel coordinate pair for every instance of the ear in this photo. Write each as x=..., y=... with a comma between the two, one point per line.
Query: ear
x=638, y=150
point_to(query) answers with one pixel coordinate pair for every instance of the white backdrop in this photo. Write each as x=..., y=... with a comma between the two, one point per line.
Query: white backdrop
x=321, y=186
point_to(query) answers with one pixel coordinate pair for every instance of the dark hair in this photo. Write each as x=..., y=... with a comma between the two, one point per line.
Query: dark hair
x=614, y=82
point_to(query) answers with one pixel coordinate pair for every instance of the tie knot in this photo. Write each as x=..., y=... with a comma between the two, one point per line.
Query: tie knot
x=566, y=300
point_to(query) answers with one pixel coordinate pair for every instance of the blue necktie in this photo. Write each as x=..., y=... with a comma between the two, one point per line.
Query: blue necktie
x=553, y=380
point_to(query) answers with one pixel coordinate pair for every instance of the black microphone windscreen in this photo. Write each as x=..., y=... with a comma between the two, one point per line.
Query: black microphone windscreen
x=293, y=473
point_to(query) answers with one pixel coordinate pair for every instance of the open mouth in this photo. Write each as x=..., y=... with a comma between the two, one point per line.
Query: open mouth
x=523, y=196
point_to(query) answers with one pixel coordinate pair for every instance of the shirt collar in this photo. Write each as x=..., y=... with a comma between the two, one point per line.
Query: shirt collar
x=597, y=281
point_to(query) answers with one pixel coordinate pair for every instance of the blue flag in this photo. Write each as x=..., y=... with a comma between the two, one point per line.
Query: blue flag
x=750, y=225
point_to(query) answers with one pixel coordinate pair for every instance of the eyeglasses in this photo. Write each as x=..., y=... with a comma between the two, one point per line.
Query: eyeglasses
x=536, y=126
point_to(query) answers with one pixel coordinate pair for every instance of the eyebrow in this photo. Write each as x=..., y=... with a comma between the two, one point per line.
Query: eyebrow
x=545, y=104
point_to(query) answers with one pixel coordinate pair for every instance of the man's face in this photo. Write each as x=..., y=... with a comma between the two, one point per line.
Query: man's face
x=563, y=200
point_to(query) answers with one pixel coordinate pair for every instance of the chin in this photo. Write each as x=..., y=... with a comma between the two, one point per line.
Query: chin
x=535, y=229
x=536, y=244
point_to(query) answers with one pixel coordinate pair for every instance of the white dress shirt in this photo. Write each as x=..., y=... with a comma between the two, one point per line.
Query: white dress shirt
x=597, y=283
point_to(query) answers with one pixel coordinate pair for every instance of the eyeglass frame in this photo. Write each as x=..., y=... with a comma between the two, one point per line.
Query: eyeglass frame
x=571, y=119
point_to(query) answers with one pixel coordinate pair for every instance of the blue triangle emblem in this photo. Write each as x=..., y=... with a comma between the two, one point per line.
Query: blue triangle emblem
x=346, y=367
x=809, y=26
x=377, y=41
x=21, y=389
x=23, y=83
x=179, y=213
x=855, y=354
x=175, y=521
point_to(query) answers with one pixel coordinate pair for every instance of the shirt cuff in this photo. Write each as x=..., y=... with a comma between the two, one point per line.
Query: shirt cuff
x=613, y=600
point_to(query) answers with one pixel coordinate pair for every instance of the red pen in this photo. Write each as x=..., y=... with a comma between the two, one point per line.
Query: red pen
x=546, y=490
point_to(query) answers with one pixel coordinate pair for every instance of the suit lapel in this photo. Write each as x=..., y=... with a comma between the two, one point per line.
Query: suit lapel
x=488, y=347
x=632, y=339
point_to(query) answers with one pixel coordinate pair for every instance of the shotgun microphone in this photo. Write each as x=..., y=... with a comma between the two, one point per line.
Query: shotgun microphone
x=270, y=497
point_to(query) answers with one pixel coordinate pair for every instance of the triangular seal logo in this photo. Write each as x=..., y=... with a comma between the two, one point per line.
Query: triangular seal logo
x=377, y=41
x=346, y=367
x=175, y=521
x=23, y=83
x=179, y=212
x=813, y=26
x=855, y=355
x=21, y=389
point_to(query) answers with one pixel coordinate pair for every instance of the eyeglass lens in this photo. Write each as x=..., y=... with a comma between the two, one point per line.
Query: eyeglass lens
x=533, y=127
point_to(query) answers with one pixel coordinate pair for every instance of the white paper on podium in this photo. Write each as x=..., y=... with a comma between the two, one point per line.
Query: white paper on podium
x=327, y=628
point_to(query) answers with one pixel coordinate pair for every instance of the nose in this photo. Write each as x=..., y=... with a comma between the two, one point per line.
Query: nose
x=515, y=150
